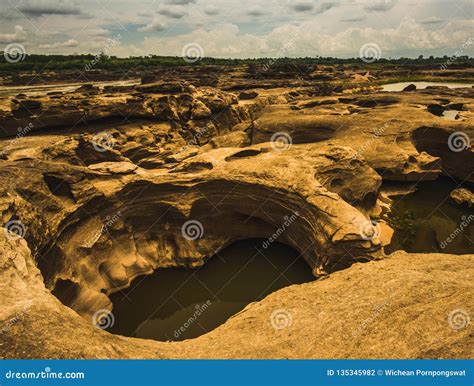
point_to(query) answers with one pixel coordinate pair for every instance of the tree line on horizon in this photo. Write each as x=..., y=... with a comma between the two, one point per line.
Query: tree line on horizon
x=40, y=63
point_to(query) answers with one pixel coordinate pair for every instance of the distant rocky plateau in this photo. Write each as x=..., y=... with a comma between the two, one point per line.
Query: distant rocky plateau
x=97, y=182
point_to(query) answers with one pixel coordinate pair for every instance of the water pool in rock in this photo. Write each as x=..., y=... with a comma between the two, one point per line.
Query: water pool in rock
x=428, y=220
x=394, y=87
x=178, y=304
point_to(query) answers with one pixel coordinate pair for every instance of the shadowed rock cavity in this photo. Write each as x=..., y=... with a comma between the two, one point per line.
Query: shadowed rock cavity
x=125, y=222
x=451, y=146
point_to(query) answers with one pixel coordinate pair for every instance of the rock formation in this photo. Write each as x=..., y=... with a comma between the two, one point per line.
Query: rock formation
x=106, y=184
x=400, y=302
x=463, y=196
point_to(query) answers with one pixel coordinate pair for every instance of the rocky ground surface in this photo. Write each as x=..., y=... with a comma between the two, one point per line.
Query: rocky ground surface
x=100, y=181
x=404, y=306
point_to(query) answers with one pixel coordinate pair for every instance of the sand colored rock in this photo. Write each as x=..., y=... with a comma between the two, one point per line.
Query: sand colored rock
x=463, y=196
x=105, y=180
x=420, y=312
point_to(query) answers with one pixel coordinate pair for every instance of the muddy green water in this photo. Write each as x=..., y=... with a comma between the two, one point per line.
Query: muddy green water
x=428, y=220
x=177, y=304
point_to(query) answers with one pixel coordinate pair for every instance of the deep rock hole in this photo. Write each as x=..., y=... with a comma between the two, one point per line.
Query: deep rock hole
x=177, y=304
x=428, y=221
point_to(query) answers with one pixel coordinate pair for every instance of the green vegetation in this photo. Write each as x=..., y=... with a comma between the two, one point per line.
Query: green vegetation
x=42, y=63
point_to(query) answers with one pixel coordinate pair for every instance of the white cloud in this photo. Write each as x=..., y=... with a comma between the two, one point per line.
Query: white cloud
x=307, y=39
x=323, y=7
x=49, y=7
x=211, y=10
x=154, y=26
x=180, y=2
x=66, y=44
x=303, y=6
x=308, y=6
x=175, y=12
x=379, y=5
x=355, y=18
x=98, y=32
x=19, y=36
x=230, y=27
x=255, y=11
x=431, y=20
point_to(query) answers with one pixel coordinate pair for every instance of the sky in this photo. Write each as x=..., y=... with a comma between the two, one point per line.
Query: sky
x=240, y=28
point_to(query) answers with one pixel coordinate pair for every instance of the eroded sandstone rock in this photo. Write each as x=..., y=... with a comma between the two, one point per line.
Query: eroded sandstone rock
x=463, y=196
x=401, y=300
x=105, y=191
x=319, y=182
